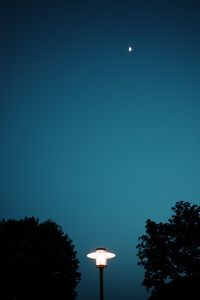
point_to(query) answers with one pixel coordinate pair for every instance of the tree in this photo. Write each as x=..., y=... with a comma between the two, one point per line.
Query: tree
x=170, y=251
x=183, y=288
x=37, y=261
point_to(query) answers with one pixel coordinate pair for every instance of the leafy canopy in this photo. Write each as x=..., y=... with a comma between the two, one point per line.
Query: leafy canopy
x=171, y=251
x=37, y=261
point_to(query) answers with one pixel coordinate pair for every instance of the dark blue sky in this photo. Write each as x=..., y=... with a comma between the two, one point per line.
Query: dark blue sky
x=96, y=138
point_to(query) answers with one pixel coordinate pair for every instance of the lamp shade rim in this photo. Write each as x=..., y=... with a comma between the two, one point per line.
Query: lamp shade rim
x=94, y=255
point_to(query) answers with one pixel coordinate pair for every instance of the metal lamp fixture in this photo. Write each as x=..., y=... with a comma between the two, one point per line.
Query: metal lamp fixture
x=101, y=256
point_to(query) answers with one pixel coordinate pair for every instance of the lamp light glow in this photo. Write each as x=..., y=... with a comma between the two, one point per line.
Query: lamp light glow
x=101, y=256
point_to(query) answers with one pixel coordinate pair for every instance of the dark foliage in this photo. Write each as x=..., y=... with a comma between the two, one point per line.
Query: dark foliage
x=170, y=252
x=186, y=288
x=37, y=261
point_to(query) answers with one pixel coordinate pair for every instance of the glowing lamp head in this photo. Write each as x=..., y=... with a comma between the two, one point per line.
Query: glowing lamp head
x=101, y=256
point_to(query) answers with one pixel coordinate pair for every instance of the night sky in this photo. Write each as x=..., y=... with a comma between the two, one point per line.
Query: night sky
x=94, y=137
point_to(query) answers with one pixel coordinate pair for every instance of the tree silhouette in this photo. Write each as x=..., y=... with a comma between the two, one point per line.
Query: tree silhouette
x=183, y=288
x=170, y=251
x=37, y=261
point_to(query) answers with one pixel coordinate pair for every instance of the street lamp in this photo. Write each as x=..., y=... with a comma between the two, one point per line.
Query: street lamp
x=101, y=256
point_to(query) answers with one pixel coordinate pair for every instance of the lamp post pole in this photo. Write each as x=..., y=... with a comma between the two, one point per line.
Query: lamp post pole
x=101, y=283
x=101, y=256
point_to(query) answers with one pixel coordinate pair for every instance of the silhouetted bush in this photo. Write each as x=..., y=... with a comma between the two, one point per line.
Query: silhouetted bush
x=37, y=261
x=183, y=289
x=170, y=252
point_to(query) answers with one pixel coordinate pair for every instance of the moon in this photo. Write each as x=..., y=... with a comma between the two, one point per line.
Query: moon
x=130, y=49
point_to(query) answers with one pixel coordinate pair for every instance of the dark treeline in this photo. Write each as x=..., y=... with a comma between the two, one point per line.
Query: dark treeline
x=170, y=254
x=39, y=261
